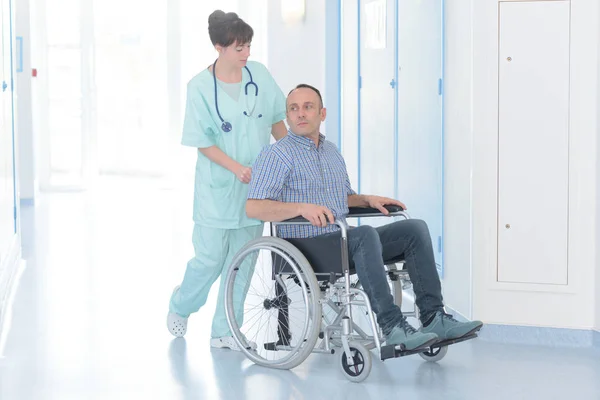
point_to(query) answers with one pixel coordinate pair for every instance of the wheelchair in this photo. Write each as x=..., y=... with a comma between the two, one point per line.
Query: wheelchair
x=301, y=291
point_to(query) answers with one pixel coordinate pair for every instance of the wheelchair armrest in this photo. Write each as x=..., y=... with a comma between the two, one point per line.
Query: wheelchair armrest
x=356, y=212
x=295, y=219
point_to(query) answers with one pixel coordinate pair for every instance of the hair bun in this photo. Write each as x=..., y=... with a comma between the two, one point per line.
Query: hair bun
x=219, y=16
x=226, y=28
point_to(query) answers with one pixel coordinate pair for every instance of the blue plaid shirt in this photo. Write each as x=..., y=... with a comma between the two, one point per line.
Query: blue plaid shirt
x=294, y=170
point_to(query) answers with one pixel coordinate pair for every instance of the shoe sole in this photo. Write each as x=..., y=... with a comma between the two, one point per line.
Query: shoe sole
x=470, y=333
x=448, y=342
x=473, y=331
x=230, y=348
x=224, y=346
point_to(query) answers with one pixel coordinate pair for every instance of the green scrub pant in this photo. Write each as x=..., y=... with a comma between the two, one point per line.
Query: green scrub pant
x=215, y=249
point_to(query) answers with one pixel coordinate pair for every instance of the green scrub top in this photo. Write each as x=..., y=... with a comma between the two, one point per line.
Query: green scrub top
x=219, y=197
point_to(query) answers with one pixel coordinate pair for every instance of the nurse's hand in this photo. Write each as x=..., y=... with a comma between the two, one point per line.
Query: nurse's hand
x=316, y=215
x=244, y=174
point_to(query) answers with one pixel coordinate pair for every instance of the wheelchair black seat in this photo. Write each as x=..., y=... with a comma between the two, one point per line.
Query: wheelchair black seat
x=325, y=255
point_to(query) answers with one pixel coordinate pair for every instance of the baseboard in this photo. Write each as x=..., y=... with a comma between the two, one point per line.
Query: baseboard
x=457, y=315
x=531, y=335
x=542, y=336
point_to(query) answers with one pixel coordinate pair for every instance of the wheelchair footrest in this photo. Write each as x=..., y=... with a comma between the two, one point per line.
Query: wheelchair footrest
x=448, y=342
x=272, y=346
x=390, y=351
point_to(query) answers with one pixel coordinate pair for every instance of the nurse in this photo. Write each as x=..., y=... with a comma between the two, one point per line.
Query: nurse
x=232, y=109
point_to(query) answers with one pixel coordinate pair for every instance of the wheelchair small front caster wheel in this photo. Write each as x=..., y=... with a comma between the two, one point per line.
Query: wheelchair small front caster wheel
x=434, y=354
x=361, y=360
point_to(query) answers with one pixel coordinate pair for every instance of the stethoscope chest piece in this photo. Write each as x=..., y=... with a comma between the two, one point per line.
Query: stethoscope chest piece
x=226, y=126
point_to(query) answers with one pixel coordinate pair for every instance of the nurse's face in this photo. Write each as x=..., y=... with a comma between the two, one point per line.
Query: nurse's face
x=305, y=112
x=235, y=54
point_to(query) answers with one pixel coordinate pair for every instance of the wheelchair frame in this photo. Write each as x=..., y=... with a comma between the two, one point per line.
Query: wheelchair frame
x=355, y=353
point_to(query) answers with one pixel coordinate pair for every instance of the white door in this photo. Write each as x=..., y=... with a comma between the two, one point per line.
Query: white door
x=377, y=98
x=533, y=151
x=420, y=136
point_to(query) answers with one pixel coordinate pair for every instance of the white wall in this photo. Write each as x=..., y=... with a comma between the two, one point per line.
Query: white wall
x=471, y=172
x=458, y=136
x=296, y=53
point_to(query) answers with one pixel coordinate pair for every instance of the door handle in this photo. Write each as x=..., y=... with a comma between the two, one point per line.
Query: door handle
x=393, y=83
x=19, y=40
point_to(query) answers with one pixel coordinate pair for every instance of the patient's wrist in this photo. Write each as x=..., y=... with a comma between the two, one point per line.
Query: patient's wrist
x=299, y=209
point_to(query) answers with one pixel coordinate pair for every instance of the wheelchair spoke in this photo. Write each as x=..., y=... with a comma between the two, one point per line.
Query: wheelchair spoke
x=247, y=320
x=278, y=304
x=265, y=266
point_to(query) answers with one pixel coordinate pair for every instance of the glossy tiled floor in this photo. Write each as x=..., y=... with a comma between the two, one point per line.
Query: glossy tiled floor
x=89, y=309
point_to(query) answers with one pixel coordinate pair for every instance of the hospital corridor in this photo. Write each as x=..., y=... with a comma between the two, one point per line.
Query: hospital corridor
x=168, y=168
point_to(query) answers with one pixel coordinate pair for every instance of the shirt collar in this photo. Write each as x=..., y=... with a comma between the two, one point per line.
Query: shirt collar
x=304, y=141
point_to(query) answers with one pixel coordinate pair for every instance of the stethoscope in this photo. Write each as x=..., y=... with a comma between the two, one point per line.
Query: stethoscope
x=226, y=126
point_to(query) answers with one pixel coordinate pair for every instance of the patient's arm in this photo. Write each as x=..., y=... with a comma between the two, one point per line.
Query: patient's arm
x=276, y=211
x=358, y=200
x=271, y=210
x=378, y=202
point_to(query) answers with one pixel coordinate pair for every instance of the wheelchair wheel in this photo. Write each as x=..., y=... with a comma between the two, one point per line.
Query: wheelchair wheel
x=434, y=354
x=273, y=293
x=361, y=360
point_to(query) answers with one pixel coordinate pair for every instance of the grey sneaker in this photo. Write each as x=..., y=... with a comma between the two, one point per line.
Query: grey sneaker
x=446, y=327
x=404, y=334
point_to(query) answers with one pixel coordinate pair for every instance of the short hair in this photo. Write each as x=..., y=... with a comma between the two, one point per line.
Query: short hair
x=307, y=86
x=225, y=29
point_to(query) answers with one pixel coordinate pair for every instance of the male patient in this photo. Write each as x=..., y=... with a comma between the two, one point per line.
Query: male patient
x=304, y=175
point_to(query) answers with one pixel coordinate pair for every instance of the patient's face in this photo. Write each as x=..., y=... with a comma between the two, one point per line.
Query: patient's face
x=304, y=112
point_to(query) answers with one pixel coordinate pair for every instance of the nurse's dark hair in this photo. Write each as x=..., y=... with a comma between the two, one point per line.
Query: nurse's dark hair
x=307, y=86
x=225, y=29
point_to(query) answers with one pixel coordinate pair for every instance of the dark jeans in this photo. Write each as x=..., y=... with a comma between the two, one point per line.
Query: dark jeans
x=369, y=248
